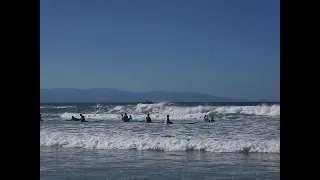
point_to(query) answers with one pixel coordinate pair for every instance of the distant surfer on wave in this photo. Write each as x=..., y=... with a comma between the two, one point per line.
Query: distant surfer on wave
x=206, y=118
x=212, y=120
x=148, y=119
x=74, y=119
x=82, y=118
x=167, y=121
x=125, y=118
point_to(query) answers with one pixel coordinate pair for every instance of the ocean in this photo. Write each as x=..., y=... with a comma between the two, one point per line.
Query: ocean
x=242, y=143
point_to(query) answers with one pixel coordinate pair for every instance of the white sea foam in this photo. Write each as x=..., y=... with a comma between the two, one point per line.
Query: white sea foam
x=127, y=141
x=56, y=107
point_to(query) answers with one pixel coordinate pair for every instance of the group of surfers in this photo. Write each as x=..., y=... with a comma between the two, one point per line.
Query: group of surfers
x=206, y=118
x=82, y=119
x=125, y=118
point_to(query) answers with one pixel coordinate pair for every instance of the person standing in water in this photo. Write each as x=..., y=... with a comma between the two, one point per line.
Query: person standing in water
x=82, y=118
x=148, y=119
x=167, y=121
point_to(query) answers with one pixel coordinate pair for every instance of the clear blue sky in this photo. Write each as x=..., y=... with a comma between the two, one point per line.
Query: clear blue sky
x=145, y=45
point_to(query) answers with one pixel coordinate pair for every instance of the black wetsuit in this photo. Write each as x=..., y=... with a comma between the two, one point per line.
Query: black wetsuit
x=75, y=119
x=148, y=119
x=82, y=119
x=168, y=121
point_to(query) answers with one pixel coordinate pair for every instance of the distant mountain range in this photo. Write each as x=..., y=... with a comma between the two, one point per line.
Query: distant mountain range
x=115, y=95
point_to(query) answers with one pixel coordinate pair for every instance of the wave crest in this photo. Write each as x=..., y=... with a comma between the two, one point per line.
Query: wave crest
x=160, y=110
x=159, y=143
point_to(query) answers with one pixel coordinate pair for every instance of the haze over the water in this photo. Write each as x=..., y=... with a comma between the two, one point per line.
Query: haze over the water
x=224, y=48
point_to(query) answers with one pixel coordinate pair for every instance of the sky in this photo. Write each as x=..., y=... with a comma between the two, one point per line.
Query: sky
x=228, y=48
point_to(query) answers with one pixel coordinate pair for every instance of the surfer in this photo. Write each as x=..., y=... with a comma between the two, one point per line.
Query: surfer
x=82, y=118
x=148, y=119
x=122, y=117
x=125, y=117
x=130, y=117
x=74, y=119
x=167, y=121
x=206, y=118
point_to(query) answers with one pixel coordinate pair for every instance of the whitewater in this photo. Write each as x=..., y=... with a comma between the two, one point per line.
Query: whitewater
x=238, y=127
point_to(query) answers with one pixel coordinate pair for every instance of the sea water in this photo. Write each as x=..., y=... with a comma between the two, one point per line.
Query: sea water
x=242, y=143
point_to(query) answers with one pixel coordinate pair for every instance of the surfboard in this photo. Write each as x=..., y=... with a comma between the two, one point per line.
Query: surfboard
x=97, y=121
x=187, y=123
x=161, y=121
x=143, y=121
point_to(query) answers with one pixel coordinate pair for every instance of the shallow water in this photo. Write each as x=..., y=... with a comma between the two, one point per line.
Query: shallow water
x=78, y=163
